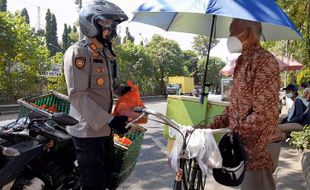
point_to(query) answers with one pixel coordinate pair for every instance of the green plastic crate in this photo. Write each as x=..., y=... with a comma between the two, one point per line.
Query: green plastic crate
x=124, y=157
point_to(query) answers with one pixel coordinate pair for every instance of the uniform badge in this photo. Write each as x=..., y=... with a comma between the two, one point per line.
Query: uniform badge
x=80, y=62
x=95, y=54
x=100, y=69
x=100, y=81
x=93, y=46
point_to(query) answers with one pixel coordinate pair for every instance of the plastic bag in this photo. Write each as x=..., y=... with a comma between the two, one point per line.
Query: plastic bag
x=200, y=145
x=174, y=156
x=126, y=103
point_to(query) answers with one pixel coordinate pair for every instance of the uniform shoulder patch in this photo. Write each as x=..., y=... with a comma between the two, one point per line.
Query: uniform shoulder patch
x=80, y=62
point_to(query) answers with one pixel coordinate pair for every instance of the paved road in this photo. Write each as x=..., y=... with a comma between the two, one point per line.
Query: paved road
x=153, y=173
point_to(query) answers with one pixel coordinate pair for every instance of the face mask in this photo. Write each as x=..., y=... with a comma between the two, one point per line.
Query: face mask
x=289, y=95
x=234, y=45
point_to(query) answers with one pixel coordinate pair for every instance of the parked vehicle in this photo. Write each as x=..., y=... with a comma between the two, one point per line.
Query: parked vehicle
x=196, y=91
x=173, y=89
x=36, y=152
x=36, y=156
x=184, y=84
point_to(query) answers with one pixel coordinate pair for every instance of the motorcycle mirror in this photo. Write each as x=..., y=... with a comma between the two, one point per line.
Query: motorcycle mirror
x=36, y=114
x=9, y=151
x=64, y=119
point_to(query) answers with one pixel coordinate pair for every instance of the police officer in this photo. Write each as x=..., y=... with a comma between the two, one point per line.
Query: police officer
x=90, y=72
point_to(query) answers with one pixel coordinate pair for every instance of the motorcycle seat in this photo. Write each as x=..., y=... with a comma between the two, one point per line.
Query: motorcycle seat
x=62, y=136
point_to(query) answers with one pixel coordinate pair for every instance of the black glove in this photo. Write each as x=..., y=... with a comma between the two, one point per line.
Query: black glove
x=125, y=89
x=120, y=90
x=118, y=124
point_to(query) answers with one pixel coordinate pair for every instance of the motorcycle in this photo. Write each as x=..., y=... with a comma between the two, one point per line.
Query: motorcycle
x=38, y=154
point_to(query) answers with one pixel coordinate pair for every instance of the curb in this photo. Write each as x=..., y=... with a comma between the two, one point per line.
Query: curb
x=305, y=164
x=14, y=108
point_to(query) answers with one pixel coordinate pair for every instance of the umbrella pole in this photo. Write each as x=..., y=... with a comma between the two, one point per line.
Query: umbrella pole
x=203, y=88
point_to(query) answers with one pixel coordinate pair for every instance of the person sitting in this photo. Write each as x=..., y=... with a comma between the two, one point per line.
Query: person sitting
x=295, y=113
x=300, y=117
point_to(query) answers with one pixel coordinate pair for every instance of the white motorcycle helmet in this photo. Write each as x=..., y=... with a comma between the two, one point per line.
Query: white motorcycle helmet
x=100, y=10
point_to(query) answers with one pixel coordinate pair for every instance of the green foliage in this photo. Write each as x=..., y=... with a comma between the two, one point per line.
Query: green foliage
x=135, y=64
x=191, y=59
x=201, y=45
x=24, y=13
x=3, y=5
x=73, y=36
x=74, y=29
x=276, y=47
x=22, y=57
x=213, y=75
x=301, y=139
x=57, y=83
x=299, y=12
x=303, y=76
x=65, y=38
x=166, y=59
x=51, y=33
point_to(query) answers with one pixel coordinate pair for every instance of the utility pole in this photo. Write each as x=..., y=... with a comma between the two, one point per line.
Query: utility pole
x=288, y=59
x=143, y=39
x=79, y=4
x=39, y=18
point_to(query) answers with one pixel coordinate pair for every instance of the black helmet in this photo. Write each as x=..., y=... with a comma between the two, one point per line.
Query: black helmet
x=99, y=9
x=234, y=158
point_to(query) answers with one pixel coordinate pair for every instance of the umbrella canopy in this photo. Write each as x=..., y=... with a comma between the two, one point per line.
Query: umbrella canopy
x=213, y=18
x=285, y=64
x=196, y=16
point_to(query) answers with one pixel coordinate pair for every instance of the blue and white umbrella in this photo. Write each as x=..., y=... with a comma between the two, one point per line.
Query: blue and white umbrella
x=213, y=17
x=196, y=16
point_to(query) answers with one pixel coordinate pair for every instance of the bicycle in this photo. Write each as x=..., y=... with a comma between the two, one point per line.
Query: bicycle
x=189, y=175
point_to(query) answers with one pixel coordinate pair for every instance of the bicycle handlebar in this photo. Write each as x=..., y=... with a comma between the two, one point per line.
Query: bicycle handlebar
x=169, y=121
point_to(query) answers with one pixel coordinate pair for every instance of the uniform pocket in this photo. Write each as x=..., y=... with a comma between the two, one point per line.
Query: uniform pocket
x=100, y=76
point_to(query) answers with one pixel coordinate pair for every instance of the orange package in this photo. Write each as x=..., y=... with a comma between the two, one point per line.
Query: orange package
x=52, y=109
x=126, y=103
x=122, y=140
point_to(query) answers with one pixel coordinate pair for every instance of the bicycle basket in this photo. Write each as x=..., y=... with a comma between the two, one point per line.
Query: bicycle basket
x=124, y=157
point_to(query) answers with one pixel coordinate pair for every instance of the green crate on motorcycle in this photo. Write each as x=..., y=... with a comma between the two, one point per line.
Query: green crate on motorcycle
x=124, y=157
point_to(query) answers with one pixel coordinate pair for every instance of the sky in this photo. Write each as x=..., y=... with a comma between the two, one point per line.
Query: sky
x=66, y=12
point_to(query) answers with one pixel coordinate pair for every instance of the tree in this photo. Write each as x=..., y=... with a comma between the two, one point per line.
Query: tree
x=24, y=13
x=74, y=29
x=3, y=5
x=128, y=36
x=190, y=59
x=135, y=64
x=213, y=75
x=65, y=38
x=22, y=57
x=201, y=45
x=299, y=12
x=58, y=83
x=51, y=33
x=303, y=76
x=166, y=59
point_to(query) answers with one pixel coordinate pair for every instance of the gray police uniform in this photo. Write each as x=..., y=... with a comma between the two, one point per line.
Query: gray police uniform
x=88, y=72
